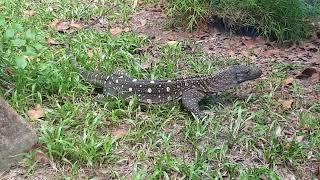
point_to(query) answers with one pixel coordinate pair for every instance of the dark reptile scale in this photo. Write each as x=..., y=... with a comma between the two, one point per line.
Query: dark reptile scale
x=157, y=91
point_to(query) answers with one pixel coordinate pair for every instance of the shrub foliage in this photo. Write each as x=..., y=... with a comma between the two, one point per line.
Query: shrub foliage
x=276, y=19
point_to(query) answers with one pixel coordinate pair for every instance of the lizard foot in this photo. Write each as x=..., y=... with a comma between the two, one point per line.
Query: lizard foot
x=200, y=115
x=209, y=113
x=99, y=98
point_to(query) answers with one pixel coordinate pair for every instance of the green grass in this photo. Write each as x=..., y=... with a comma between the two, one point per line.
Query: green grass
x=189, y=12
x=163, y=140
x=278, y=20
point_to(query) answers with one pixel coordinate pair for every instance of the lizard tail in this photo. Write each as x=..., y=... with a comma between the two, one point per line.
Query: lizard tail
x=73, y=58
x=92, y=77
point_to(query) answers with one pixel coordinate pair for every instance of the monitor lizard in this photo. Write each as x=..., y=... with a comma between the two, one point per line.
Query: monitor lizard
x=190, y=89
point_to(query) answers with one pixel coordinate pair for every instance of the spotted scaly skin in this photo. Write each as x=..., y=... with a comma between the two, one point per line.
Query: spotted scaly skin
x=190, y=89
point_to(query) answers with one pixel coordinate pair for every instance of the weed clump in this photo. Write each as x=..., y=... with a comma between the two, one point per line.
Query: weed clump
x=275, y=19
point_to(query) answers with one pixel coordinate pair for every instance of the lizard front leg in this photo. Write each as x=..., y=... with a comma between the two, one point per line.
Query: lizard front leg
x=191, y=99
x=106, y=93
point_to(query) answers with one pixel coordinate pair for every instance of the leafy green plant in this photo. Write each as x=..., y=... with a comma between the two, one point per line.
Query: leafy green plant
x=19, y=39
x=189, y=12
x=312, y=8
x=278, y=19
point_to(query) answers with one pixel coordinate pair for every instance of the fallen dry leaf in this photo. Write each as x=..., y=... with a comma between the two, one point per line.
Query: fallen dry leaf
x=287, y=132
x=41, y=158
x=310, y=73
x=38, y=146
x=231, y=53
x=63, y=26
x=90, y=52
x=143, y=50
x=60, y=26
x=115, y=31
x=318, y=34
x=36, y=112
x=9, y=71
x=53, y=42
x=134, y=4
x=29, y=58
x=126, y=29
x=258, y=51
x=76, y=25
x=29, y=13
x=294, y=120
x=316, y=77
x=154, y=9
x=310, y=47
x=278, y=131
x=287, y=104
x=143, y=22
x=299, y=138
x=271, y=52
x=249, y=43
x=314, y=61
x=306, y=127
x=245, y=53
x=50, y=8
x=146, y=65
x=288, y=81
x=120, y=131
x=172, y=42
x=259, y=40
x=54, y=23
x=171, y=36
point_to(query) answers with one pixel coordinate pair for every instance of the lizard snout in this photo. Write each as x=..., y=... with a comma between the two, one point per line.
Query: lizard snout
x=245, y=73
x=255, y=73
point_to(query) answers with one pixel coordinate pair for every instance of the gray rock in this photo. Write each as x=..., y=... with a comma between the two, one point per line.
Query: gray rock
x=16, y=136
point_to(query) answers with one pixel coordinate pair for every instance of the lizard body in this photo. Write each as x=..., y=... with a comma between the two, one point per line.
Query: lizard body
x=190, y=89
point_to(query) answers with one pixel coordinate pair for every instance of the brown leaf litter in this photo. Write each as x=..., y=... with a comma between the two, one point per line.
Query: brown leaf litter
x=120, y=131
x=310, y=73
x=36, y=112
x=64, y=26
x=53, y=42
x=29, y=13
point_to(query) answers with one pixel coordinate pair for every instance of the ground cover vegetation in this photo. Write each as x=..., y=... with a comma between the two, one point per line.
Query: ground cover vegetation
x=271, y=133
x=278, y=20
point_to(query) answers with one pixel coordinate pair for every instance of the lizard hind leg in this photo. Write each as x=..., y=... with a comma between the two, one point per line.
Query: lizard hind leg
x=190, y=101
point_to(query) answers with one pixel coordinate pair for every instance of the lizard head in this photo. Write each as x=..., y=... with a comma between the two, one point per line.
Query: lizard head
x=245, y=73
